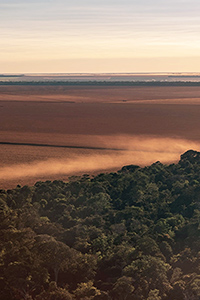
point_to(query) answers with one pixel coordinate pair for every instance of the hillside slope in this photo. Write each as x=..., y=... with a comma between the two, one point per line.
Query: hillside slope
x=134, y=234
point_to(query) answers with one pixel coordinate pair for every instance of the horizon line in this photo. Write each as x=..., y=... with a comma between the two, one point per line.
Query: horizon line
x=94, y=73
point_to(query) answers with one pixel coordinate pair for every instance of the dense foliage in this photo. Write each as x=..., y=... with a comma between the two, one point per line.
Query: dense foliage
x=134, y=234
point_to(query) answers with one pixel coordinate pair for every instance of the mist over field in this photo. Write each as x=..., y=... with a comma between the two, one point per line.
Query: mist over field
x=119, y=150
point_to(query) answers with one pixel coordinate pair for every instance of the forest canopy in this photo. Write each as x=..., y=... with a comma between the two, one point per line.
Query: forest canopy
x=131, y=234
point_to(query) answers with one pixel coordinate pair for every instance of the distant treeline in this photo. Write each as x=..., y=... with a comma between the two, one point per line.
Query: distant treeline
x=10, y=75
x=103, y=83
x=184, y=76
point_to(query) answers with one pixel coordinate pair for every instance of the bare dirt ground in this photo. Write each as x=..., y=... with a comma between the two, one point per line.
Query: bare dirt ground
x=146, y=123
x=98, y=94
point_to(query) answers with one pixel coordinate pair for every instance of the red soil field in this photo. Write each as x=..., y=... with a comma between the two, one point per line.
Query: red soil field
x=97, y=93
x=150, y=118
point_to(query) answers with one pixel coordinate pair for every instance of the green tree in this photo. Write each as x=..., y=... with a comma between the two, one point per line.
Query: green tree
x=54, y=293
x=86, y=291
x=154, y=295
x=56, y=255
x=123, y=288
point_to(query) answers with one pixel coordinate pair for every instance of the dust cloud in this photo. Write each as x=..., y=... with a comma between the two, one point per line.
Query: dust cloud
x=128, y=150
x=147, y=144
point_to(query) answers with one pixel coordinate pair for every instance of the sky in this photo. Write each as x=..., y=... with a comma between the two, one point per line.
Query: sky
x=99, y=36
